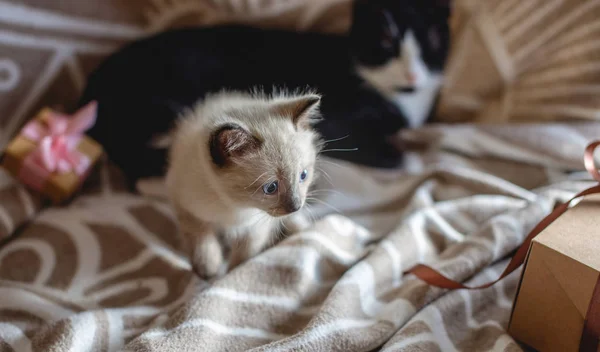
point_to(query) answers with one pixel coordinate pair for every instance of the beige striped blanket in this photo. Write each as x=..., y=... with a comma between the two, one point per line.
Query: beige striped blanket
x=101, y=274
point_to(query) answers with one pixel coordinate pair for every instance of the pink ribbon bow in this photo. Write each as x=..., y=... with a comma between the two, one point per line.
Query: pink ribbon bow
x=57, y=138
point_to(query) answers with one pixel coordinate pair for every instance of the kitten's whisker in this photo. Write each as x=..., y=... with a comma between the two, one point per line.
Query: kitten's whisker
x=259, y=214
x=264, y=173
x=264, y=219
x=332, y=163
x=273, y=239
x=326, y=176
x=317, y=191
x=287, y=230
x=310, y=213
x=326, y=204
x=256, y=190
x=339, y=150
x=336, y=139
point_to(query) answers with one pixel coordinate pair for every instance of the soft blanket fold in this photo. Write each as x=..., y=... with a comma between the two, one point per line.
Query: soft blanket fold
x=101, y=274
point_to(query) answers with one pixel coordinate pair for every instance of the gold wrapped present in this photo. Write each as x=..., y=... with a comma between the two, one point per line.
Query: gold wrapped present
x=52, y=155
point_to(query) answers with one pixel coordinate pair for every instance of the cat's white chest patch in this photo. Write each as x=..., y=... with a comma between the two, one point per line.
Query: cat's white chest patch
x=407, y=70
x=417, y=105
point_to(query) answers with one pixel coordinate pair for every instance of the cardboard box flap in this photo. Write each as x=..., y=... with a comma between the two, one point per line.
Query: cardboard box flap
x=573, y=234
x=575, y=279
x=558, y=280
x=545, y=316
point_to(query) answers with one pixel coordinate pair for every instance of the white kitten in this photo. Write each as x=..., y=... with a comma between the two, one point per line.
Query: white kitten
x=239, y=165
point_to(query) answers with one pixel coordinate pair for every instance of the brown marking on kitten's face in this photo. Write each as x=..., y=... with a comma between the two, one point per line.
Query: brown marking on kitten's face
x=231, y=141
x=269, y=164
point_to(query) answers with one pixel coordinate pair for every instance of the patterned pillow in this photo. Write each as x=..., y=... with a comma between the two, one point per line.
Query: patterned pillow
x=47, y=48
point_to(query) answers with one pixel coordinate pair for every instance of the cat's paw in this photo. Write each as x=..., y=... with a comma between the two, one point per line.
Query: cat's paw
x=208, y=267
x=206, y=256
x=296, y=223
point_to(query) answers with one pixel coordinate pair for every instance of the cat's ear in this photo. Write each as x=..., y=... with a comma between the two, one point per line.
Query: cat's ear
x=231, y=141
x=302, y=110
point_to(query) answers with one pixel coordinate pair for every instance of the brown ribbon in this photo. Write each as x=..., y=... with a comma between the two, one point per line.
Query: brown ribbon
x=591, y=331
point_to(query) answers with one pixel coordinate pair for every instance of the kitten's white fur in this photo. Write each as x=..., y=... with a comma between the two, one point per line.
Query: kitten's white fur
x=415, y=105
x=207, y=198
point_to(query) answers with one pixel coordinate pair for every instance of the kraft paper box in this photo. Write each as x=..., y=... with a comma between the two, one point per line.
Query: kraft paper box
x=57, y=187
x=558, y=280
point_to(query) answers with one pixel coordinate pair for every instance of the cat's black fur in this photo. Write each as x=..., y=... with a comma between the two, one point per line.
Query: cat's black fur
x=142, y=88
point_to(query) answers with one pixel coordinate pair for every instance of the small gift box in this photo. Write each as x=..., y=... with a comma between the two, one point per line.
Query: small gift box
x=52, y=155
x=559, y=282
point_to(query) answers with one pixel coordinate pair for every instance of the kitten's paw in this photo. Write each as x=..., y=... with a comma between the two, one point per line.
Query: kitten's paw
x=296, y=223
x=208, y=267
x=207, y=257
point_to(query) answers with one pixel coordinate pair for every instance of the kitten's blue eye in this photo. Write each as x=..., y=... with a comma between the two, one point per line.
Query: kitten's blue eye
x=303, y=175
x=271, y=187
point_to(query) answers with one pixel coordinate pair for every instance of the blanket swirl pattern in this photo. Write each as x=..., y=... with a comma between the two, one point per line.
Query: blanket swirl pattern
x=102, y=274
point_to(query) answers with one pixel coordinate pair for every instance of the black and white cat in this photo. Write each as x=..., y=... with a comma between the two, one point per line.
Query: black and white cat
x=382, y=77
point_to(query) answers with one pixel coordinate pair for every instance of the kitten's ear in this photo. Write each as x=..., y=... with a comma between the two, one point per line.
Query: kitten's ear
x=301, y=109
x=231, y=141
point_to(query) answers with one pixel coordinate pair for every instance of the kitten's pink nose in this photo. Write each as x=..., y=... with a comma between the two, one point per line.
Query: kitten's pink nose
x=411, y=77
